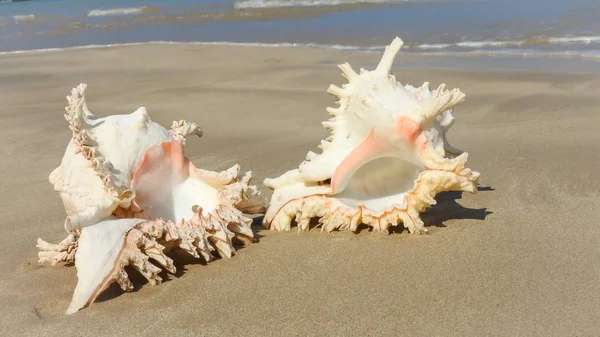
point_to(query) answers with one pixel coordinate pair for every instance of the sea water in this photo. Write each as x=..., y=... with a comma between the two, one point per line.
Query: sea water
x=534, y=29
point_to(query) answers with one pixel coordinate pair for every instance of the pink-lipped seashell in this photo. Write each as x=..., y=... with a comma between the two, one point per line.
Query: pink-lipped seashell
x=131, y=196
x=384, y=162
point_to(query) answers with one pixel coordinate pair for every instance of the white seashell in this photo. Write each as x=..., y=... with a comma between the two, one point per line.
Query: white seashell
x=386, y=159
x=94, y=177
x=130, y=194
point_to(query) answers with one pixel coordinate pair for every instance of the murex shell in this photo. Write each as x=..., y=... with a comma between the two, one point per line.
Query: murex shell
x=384, y=162
x=131, y=195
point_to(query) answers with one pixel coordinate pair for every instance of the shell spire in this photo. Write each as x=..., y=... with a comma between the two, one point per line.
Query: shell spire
x=442, y=100
x=349, y=73
x=387, y=60
x=338, y=92
x=77, y=113
x=89, y=159
x=181, y=130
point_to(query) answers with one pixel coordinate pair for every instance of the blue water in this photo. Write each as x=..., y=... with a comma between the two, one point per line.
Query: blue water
x=566, y=29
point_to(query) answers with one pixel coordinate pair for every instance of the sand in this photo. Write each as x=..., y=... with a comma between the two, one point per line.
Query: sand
x=519, y=258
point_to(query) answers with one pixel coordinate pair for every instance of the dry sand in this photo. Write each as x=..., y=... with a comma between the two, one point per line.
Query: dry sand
x=520, y=258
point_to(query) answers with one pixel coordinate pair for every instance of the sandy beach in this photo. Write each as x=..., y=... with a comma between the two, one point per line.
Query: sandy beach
x=519, y=258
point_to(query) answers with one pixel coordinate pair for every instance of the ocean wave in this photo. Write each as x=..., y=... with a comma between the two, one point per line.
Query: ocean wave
x=102, y=46
x=590, y=54
x=575, y=39
x=433, y=46
x=256, y=4
x=533, y=41
x=480, y=44
x=117, y=11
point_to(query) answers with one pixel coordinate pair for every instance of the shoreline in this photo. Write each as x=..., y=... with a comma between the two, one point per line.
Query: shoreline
x=484, y=60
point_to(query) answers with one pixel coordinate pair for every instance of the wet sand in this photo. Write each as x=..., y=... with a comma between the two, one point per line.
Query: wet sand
x=519, y=258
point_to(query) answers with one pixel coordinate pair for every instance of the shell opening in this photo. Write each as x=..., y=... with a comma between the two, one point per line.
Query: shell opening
x=376, y=185
x=170, y=183
x=177, y=203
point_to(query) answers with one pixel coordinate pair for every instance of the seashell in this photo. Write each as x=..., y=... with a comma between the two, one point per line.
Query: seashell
x=131, y=195
x=384, y=162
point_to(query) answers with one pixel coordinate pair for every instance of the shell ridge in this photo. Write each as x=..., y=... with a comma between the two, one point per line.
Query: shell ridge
x=78, y=117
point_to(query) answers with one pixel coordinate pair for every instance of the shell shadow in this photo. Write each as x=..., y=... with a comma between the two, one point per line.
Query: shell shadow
x=181, y=260
x=447, y=208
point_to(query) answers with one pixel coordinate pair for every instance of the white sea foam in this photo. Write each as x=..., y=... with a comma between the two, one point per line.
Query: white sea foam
x=101, y=46
x=215, y=43
x=116, y=11
x=480, y=44
x=589, y=55
x=255, y=4
x=592, y=54
x=433, y=46
x=24, y=18
x=574, y=39
x=512, y=43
